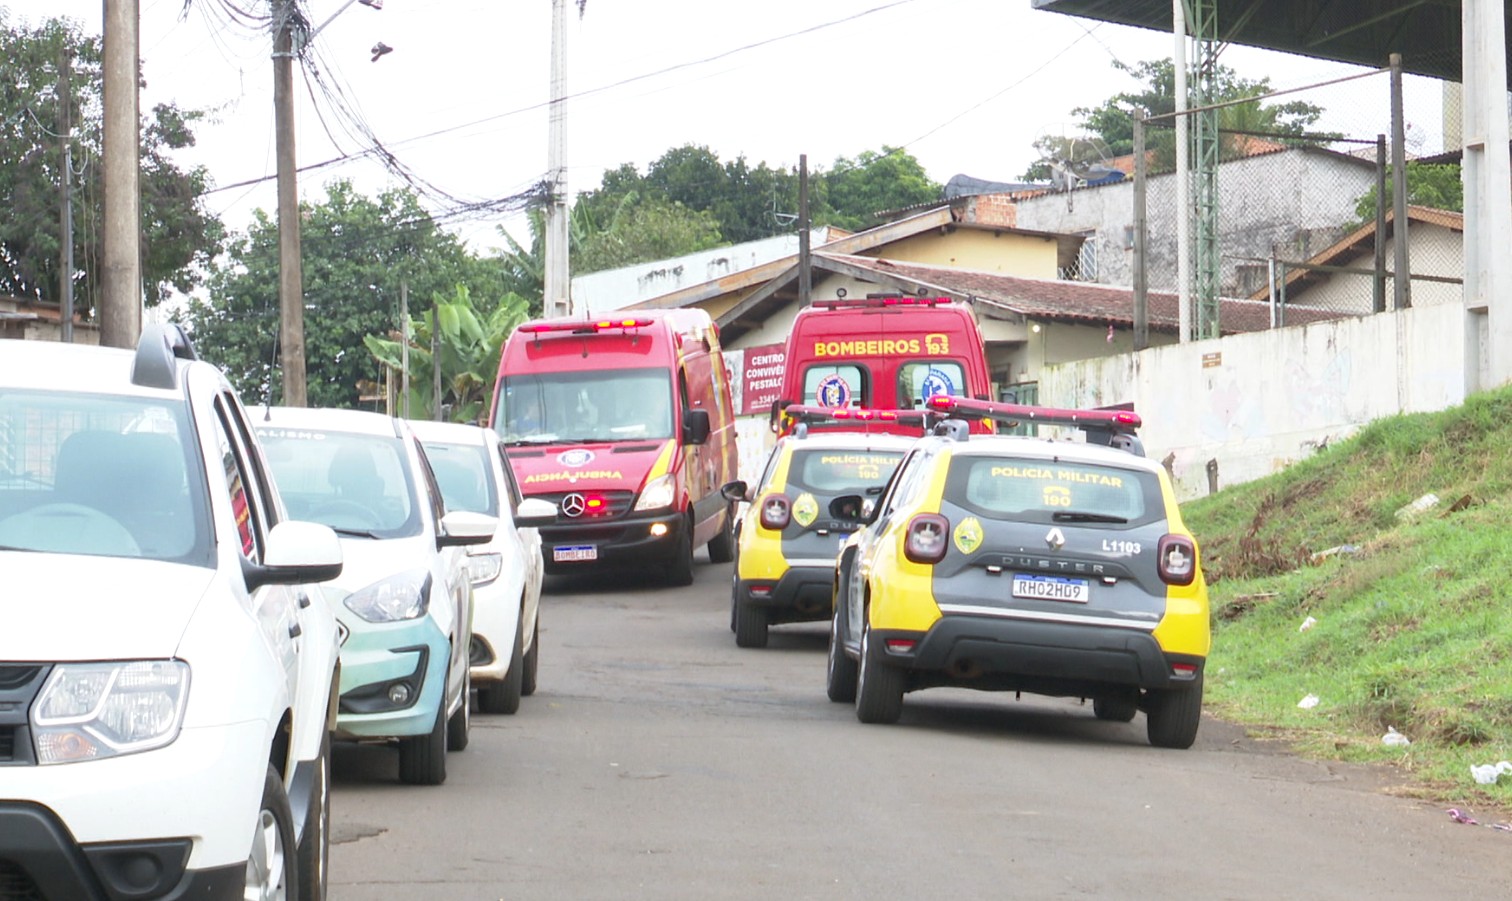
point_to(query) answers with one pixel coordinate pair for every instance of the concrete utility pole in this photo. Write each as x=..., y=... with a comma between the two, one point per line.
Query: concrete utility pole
x=805, y=262
x=558, y=280
x=121, y=269
x=65, y=255
x=1183, y=179
x=290, y=268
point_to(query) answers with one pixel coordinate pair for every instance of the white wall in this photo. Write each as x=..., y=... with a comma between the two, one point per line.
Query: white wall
x=1271, y=398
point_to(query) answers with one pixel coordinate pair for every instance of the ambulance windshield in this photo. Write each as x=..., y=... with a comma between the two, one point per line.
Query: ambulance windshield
x=576, y=407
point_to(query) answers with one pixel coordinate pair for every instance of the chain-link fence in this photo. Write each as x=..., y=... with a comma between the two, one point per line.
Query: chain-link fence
x=1288, y=210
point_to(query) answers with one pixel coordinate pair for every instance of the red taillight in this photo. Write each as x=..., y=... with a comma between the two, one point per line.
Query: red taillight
x=1184, y=670
x=776, y=512
x=927, y=538
x=1177, y=560
x=900, y=645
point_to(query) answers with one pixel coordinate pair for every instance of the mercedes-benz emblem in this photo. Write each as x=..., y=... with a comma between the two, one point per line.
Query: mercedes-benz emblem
x=573, y=505
x=1055, y=539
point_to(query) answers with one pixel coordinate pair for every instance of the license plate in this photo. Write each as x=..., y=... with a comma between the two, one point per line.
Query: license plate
x=574, y=553
x=1051, y=588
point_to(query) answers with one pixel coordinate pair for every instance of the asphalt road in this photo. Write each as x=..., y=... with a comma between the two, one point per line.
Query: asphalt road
x=658, y=760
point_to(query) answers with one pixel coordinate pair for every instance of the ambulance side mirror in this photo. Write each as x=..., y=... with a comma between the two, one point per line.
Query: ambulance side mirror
x=695, y=426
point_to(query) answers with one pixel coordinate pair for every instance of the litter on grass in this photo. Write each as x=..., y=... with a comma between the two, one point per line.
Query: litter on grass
x=1488, y=773
x=1307, y=624
x=1395, y=738
x=1308, y=702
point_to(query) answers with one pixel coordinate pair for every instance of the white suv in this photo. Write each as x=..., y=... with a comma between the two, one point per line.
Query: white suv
x=166, y=673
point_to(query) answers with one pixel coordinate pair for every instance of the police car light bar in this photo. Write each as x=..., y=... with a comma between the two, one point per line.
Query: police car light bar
x=601, y=325
x=809, y=413
x=847, y=303
x=1115, y=420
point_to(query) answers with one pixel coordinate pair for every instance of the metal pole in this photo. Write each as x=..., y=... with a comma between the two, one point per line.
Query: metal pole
x=66, y=256
x=290, y=267
x=1378, y=292
x=1271, y=280
x=121, y=268
x=404, y=344
x=1183, y=202
x=1141, y=224
x=1399, y=187
x=557, y=287
x=805, y=274
x=436, y=357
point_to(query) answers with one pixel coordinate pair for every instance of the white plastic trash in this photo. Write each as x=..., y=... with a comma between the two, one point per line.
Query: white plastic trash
x=1307, y=624
x=1308, y=702
x=1395, y=738
x=1488, y=773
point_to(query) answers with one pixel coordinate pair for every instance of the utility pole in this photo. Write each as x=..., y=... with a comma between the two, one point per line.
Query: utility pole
x=805, y=272
x=65, y=256
x=557, y=289
x=436, y=357
x=404, y=342
x=121, y=269
x=290, y=269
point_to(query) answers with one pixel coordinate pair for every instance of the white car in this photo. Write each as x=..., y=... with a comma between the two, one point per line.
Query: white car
x=166, y=670
x=506, y=572
x=405, y=598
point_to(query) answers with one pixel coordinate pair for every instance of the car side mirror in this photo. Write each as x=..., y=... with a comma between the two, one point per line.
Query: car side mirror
x=464, y=528
x=533, y=513
x=735, y=491
x=695, y=426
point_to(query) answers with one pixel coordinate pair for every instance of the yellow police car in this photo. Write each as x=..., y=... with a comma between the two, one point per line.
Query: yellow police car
x=1013, y=563
x=787, y=538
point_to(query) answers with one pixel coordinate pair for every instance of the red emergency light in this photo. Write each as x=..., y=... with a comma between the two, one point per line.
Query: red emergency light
x=601, y=325
x=1117, y=420
x=810, y=413
x=879, y=301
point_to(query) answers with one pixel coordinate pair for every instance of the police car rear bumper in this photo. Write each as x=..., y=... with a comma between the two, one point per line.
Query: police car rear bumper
x=623, y=541
x=803, y=594
x=1040, y=657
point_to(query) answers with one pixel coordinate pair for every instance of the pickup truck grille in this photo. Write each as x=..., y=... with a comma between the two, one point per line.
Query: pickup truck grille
x=19, y=684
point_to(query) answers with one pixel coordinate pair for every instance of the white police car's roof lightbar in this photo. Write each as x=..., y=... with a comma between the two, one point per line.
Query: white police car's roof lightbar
x=1112, y=420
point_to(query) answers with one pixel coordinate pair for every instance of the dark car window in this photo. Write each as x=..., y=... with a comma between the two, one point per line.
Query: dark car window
x=832, y=471
x=1039, y=490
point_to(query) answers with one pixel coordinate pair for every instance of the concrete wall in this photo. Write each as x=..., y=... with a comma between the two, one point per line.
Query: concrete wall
x=1255, y=403
x=1300, y=200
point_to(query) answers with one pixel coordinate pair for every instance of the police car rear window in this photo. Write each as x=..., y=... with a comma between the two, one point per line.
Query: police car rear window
x=841, y=471
x=1050, y=491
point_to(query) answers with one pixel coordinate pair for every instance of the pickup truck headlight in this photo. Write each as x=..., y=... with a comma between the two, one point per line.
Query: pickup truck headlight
x=400, y=597
x=87, y=711
x=658, y=493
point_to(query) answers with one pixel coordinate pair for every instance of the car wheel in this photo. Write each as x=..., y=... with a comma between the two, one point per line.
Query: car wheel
x=681, y=571
x=840, y=670
x=532, y=660
x=879, y=687
x=270, y=865
x=750, y=626
x=1172, y=716
x=722, y=546
x=422, y=758
x=1115, y=709
x=460, y=724
x=504, y=697
x=315, y=842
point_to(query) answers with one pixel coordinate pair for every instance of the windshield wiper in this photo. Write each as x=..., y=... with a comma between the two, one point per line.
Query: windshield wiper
x=532, y=439
x=1072, y=516
x=356, y=533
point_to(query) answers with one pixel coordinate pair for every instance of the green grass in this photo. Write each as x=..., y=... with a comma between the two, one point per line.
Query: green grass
x=1414, y=621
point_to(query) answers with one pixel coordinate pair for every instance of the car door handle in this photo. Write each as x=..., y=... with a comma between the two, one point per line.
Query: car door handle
x=295, y=631
x=304, y=600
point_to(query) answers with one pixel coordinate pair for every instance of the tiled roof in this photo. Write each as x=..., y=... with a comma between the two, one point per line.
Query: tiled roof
x=1076, y=302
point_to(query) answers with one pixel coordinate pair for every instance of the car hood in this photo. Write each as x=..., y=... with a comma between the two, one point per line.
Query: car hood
x=367, y=560
x=620, y=466
x=68, y=607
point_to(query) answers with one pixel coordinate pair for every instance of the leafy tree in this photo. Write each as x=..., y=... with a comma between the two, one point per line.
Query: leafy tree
x=645, y=230
x=1428, y=184
x=358, y=255
x=856, y=190
x=178, y=236
x=470, y=345
x=1112, y=121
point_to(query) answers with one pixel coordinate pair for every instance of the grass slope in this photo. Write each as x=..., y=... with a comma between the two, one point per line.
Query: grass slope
x=1413, y=616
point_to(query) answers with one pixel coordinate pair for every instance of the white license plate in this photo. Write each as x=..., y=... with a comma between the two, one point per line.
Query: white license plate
x=574, y=553
x=1051, y=588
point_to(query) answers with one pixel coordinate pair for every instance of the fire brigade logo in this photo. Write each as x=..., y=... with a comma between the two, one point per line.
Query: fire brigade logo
x=833, y=392
x=574, y=505
x=575, y=457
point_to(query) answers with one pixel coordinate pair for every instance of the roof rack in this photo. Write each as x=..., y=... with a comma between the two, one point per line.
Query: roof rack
x=803, y=416
x=158, y=349
x=1113, y=428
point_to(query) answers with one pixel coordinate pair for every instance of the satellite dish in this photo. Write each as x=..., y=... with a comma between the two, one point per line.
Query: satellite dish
x=1077, y=160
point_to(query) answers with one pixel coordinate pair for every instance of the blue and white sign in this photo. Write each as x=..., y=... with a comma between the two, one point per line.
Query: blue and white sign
x=579, y=456
x=937, y=382
x=833, y=391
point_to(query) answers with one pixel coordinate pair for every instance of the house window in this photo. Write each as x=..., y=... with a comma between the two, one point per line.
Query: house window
x=1084, y=267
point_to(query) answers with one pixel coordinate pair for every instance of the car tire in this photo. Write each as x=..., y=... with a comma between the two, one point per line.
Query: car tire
x=315, y=841
x=504, y=697
x=840, y=670
x=1172, y=716
x=1115, y=709
x=680, y=572
x=879, y=687
x=722, y=546
x=459, y=726
x=422, y=758
x=271, y=862
x=750, y=626
x=532, y=660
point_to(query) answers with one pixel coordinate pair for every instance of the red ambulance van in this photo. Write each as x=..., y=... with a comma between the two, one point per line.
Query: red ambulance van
x=626, y=424
x=883, y=352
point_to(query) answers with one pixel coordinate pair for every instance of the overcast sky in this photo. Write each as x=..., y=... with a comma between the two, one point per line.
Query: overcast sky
x=461, y=101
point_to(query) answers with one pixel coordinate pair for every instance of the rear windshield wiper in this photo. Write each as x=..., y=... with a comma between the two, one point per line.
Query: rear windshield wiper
x=1073, y=516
